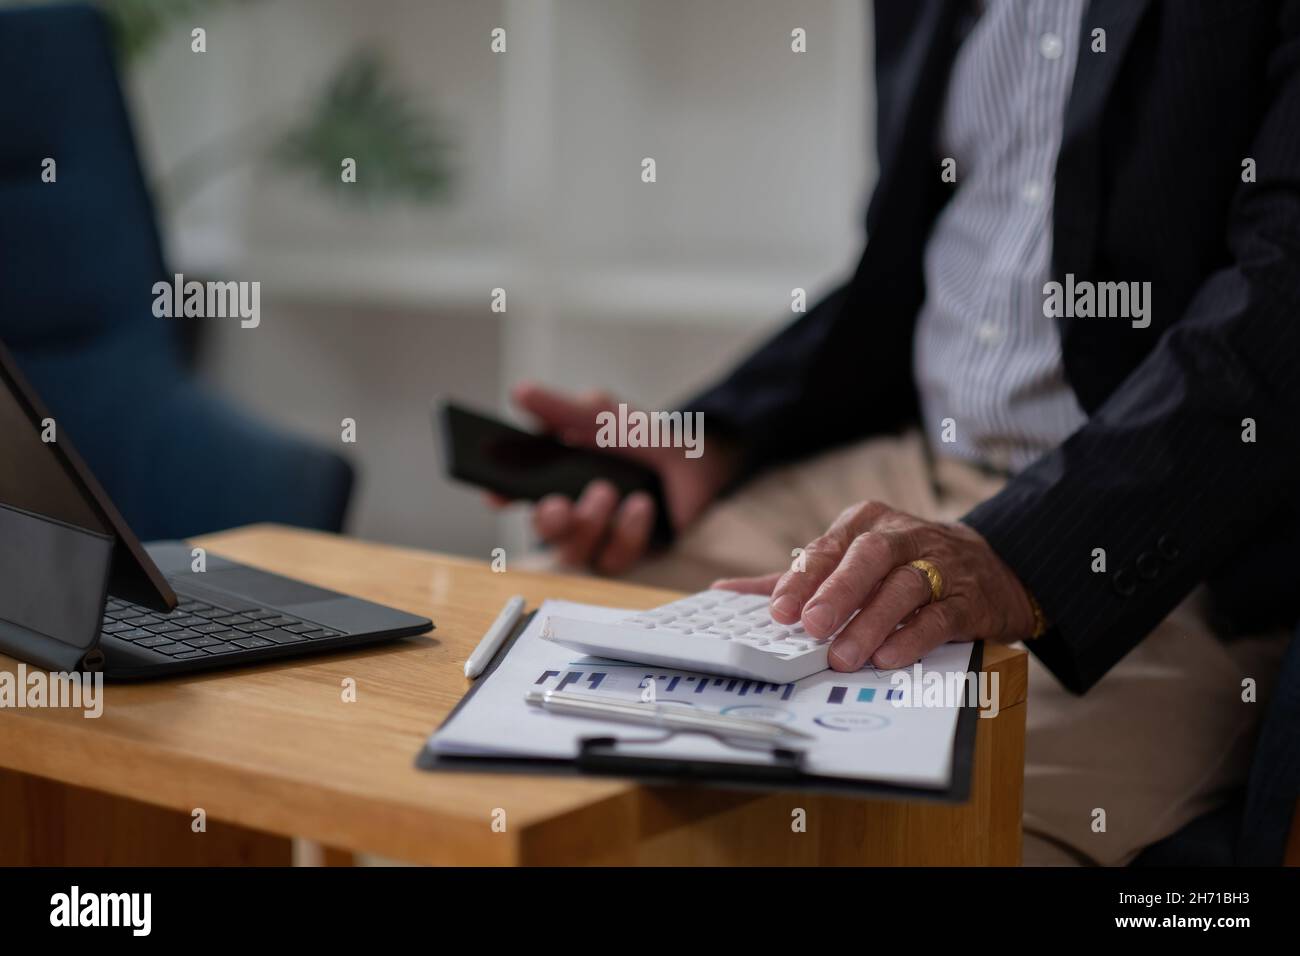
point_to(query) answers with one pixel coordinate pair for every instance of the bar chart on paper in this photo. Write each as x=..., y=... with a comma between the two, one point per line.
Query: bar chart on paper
x=668, y=685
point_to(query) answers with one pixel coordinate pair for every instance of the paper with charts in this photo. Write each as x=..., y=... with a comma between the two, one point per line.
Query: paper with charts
x=860, y=729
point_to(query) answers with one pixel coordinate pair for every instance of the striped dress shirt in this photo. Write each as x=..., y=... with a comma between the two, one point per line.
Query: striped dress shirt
x=987, y=362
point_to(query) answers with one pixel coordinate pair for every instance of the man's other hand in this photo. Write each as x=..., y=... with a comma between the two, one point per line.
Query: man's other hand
x=600, y=530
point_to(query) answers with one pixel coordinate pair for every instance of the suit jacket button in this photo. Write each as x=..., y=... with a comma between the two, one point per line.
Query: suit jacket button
x=1123, y=583
x=1168, y=547
x=1148, y=566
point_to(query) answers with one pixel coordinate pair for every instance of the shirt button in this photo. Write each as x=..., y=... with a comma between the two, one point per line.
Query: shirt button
x=1050, y=45
x=1032, y=192
x=990, y=333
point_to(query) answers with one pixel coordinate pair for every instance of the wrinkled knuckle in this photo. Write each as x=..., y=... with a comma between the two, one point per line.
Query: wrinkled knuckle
x=871, y=509
x=904, y=543
x=932, y=538
x=821, y=548
x=875, y=547
x=848, y=515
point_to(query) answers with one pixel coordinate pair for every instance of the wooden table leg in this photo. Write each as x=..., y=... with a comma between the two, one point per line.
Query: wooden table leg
x=984, y=831
x=311, y=853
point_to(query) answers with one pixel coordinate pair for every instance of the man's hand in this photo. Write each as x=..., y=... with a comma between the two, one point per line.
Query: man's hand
x=862, y=561
x=600, y=530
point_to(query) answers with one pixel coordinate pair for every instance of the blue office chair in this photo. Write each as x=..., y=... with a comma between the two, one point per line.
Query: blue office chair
x=1252, y=829
x=78, y=261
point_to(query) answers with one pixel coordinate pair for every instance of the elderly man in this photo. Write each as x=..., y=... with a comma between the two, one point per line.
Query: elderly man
x=1056, y=402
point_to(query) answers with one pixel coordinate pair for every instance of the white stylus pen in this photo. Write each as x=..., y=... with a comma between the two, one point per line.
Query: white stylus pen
x=495, y=636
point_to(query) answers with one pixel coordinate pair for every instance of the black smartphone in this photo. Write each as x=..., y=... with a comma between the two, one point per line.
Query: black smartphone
x=490, y=454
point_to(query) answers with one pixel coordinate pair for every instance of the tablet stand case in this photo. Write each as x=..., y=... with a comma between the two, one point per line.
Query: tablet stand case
x=53, y=585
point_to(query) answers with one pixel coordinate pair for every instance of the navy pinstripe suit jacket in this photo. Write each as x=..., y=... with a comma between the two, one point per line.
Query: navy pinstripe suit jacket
x=1149, y=187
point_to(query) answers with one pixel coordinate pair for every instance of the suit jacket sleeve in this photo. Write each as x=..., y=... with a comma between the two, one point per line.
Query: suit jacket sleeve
x=1162, y=477
x=830, y=377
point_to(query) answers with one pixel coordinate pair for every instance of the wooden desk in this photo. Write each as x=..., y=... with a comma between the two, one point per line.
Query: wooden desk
x=274, y=752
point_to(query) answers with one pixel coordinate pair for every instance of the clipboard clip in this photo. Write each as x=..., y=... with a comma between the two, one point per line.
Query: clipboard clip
x=601, y=755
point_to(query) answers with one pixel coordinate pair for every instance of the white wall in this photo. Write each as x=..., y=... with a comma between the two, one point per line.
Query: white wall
x=647, y=289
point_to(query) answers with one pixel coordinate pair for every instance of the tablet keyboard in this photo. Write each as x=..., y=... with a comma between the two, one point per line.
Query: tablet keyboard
x=196, y=630
x=714, y=632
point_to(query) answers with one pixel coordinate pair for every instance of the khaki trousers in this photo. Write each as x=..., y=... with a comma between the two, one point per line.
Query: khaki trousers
x=1157, y=742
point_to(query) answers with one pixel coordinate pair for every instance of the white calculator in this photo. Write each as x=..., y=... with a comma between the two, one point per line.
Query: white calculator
x=716, y=632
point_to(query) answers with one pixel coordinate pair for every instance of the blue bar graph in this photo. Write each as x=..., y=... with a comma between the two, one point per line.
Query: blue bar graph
x=571, y=677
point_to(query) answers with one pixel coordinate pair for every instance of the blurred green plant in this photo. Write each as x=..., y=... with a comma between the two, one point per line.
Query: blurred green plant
x=139, y=24
x=360, y=112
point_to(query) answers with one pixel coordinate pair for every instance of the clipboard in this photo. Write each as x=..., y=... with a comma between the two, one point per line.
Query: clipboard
x=599, y=756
